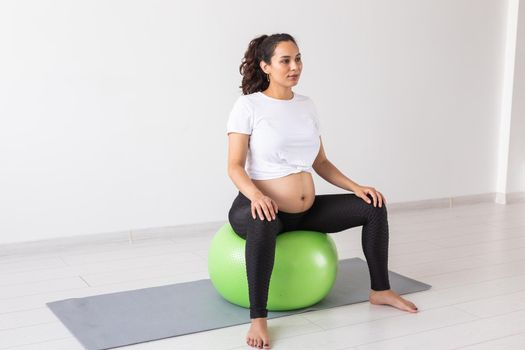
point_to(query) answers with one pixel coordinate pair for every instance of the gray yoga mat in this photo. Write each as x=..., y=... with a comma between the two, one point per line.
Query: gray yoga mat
x=116, y=319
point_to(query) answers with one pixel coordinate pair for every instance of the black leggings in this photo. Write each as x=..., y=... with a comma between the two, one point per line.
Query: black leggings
x=329, y=213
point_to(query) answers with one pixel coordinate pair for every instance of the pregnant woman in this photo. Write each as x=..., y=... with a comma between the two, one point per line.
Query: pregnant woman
x=274, y=144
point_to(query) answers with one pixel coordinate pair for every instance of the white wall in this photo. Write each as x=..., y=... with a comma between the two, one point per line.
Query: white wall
x=113, y=113
x=516, y=167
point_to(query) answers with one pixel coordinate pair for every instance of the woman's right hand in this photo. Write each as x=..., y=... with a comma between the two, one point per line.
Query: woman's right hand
x=264, y=204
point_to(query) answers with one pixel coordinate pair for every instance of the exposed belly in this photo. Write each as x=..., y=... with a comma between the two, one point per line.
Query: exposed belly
x=293, y=193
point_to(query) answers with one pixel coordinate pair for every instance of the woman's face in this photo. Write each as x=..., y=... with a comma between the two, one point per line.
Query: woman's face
x=286, y=63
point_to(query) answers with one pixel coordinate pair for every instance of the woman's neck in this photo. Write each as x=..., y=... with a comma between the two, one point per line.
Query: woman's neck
x=281, y=94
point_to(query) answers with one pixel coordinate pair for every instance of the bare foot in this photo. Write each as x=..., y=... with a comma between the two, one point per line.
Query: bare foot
x=389, y=297
x=258, y=334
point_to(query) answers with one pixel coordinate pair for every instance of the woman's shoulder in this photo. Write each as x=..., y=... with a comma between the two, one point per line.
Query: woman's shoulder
x=255, y=98
x=301, y=97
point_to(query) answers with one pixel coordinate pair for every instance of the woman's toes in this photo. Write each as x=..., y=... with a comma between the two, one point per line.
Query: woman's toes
x=412, y=305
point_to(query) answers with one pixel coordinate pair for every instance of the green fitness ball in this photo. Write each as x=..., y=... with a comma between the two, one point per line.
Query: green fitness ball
x=304, y=271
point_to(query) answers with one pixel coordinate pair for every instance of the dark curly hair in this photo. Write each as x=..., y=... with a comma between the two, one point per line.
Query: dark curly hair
x=260, y=49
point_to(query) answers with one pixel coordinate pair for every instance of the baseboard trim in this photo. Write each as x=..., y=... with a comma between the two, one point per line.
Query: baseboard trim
x=205, y=229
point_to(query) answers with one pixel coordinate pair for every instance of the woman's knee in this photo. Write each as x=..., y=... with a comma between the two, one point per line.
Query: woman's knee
x=264, y=227
x=367, y=206
x=238, y=217
x=377, y=212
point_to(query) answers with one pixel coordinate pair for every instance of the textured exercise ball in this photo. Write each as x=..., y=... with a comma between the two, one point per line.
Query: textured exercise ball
x=304, y=271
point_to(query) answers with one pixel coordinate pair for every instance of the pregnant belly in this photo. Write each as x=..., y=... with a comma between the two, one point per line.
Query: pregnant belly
x=293, y=193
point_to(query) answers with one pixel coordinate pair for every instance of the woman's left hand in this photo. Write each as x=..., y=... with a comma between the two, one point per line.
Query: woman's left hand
x=363, y=191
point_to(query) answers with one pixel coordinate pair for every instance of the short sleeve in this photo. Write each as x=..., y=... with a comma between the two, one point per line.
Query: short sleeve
x=316, y=117
x=241, y=117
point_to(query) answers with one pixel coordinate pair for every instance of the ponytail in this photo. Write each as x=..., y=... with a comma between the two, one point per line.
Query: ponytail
x=260, y=49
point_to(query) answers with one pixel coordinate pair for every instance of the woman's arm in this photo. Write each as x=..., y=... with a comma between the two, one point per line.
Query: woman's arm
x=330, y=173
x=237, y=149
x=243, y=182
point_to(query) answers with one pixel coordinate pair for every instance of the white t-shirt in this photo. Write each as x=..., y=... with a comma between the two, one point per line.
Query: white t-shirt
x=284, y=134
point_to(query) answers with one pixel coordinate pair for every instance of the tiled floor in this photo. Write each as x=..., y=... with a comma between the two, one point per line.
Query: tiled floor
x=473, y=256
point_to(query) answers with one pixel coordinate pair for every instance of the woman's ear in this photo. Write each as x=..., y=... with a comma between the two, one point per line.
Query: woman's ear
x=263, y=65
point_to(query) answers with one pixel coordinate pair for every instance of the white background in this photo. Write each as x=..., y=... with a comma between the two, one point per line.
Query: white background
x=113, y=113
